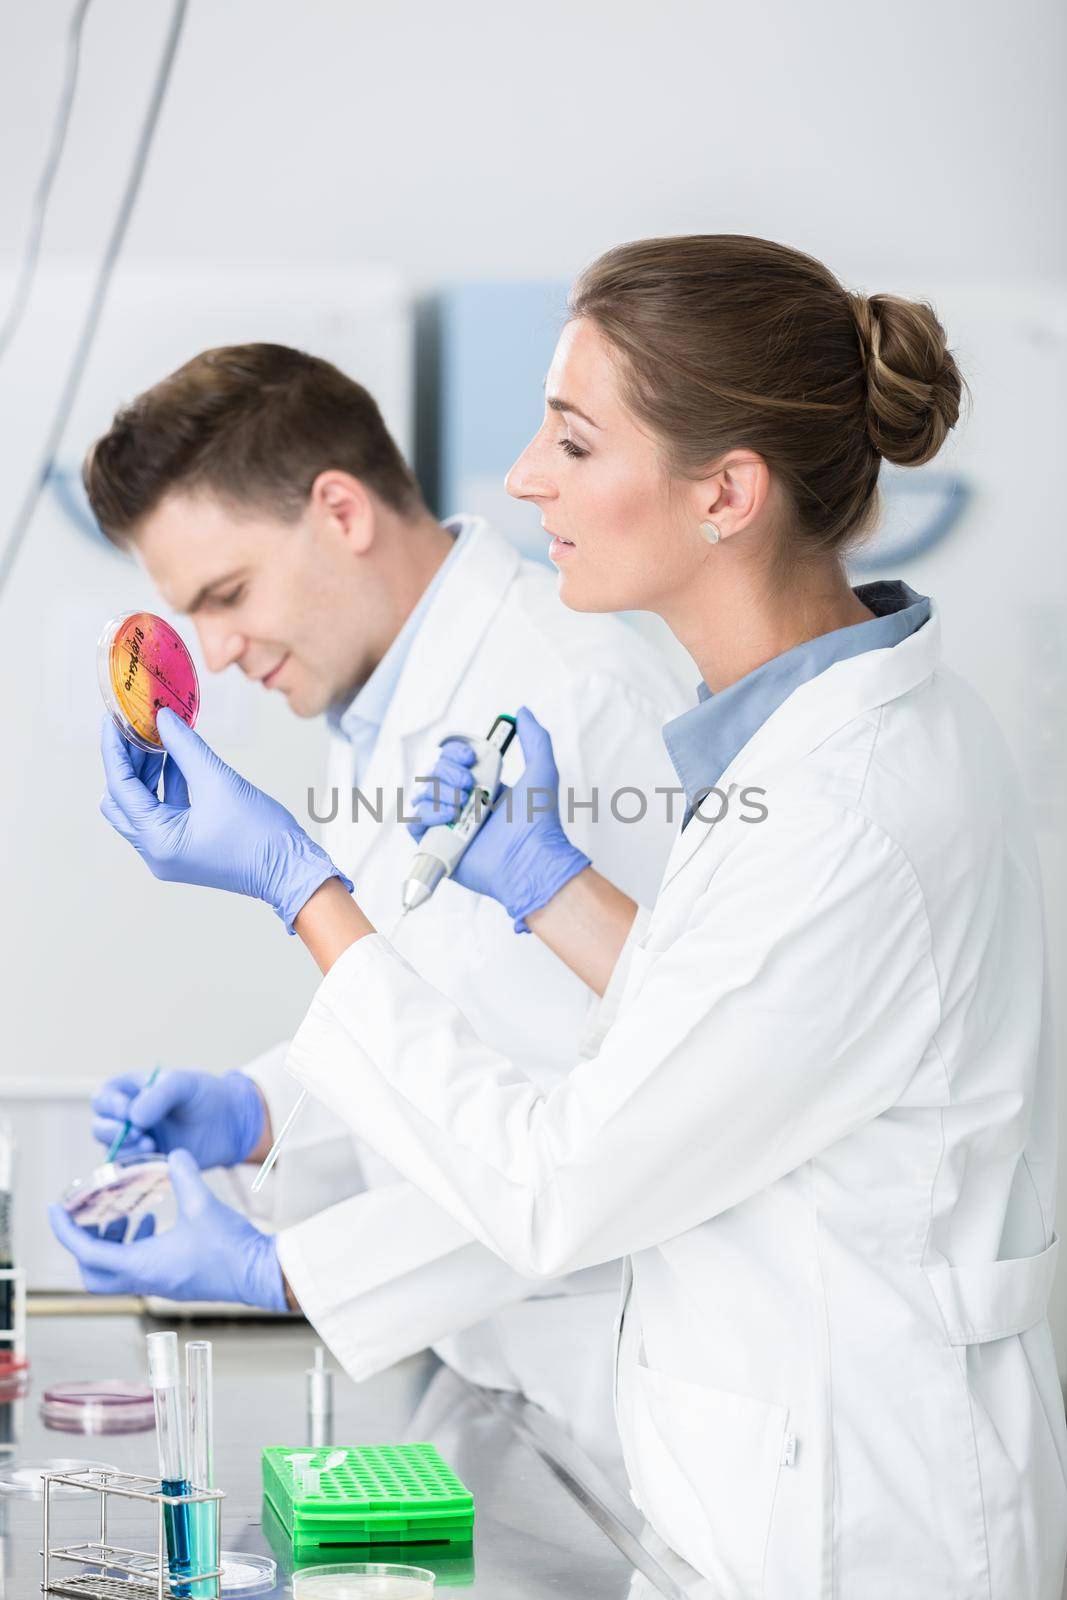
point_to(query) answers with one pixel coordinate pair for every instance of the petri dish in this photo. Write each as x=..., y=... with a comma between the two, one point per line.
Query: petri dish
x=143, y=665
x=25, y=1476
x=118, y=1189
x=241, y=1574
x=363, y=1581
x=106, y=1405
x=247, y=1574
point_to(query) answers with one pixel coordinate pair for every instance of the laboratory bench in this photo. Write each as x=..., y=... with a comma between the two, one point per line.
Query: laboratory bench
x=547, y=1521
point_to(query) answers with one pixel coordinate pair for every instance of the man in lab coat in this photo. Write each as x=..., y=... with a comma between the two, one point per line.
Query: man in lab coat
x=261, y=491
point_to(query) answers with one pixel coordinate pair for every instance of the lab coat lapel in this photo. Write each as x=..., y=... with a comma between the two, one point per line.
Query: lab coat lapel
x=811, y=714
x=451, y=632
x=447, y=641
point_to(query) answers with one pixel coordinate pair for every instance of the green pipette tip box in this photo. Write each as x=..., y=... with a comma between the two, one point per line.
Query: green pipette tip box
x=400, y=1494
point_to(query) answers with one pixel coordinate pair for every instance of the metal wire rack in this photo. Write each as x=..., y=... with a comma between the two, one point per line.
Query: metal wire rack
x=141, y=1573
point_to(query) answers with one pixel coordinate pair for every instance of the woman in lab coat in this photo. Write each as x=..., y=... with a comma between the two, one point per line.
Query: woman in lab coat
x=815, y=1106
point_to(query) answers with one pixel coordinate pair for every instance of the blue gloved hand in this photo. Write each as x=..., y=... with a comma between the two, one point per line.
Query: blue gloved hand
x=218, y=1120
x=211, y=827
x=448, y=787
x=520, y=855
x=211, y=1253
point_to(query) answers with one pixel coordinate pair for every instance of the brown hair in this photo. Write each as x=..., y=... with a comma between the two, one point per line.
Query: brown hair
x=253, y=423
x=733, y=341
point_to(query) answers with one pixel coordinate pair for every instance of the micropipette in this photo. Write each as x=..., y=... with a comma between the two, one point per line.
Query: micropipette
x=173, y=1472
x=441, y=847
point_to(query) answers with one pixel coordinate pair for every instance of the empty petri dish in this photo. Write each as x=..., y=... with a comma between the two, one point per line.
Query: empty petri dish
x=247, y=1574
x=143, y=665
x=363, y=1581
x=24, y=1477
x=106, y=1405
x=118, y=1189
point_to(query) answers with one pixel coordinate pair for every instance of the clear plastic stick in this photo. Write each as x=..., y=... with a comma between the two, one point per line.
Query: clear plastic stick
x=272, y=1154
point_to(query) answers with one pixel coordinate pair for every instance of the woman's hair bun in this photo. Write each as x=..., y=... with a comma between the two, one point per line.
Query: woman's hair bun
x=914, y=387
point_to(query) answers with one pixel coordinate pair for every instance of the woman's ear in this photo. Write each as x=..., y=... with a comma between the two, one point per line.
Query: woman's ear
x=729, y=499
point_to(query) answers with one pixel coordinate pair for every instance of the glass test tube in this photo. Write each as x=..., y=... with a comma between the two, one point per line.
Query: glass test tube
x=170, y=1436
x=319, y=1389
x=199, y=1380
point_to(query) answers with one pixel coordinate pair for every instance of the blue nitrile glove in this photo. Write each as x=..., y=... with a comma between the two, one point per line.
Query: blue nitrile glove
x=444, y=798
x=211, y=1253
x=212, y=827
x=218, y=1120
x=520, y=855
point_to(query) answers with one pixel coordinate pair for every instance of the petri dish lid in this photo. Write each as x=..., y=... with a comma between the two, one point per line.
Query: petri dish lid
x=142, y=665
x=117, y=1189
x=24, y=1477
x=106, y=1405
x=247, y=1574
x=358, y=1580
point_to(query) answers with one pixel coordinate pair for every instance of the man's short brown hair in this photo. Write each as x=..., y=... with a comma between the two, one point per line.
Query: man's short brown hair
x=254, y=424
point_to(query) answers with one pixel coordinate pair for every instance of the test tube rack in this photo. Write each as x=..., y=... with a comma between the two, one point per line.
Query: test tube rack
x=144, y=1576
x=13, y=1340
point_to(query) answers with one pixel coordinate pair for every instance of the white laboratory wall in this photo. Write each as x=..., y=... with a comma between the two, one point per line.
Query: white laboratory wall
x=493, y=140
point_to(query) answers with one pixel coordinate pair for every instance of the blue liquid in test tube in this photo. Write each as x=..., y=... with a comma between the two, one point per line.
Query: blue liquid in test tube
x=170, y=1435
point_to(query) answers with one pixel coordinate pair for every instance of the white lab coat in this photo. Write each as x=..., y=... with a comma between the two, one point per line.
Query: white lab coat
x=384, y=1273
x=820, y=1123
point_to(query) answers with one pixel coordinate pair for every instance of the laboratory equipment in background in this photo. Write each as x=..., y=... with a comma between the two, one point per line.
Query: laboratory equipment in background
x=441, y=848
x=11, y=1408
x=319, y=1386
x=143, y=666
x=104, y=1405
x=7, y=1248
x=13, y=1360
x=120, y=1190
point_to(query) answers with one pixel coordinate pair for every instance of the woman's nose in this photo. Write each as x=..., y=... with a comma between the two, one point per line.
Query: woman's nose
x=527, y=479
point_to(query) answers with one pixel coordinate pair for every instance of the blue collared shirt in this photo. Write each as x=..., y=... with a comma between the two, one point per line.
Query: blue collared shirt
x=361, y=720
x=704, y=740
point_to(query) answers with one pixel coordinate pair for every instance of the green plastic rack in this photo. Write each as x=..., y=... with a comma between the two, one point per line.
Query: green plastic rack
x=380, y=1494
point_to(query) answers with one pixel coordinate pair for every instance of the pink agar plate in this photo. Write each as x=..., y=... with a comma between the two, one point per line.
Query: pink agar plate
x=142, y=666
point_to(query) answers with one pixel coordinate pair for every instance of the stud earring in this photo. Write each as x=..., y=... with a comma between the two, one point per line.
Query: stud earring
x=710, y=532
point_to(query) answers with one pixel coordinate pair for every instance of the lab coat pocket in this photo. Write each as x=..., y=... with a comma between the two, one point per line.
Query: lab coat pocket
x=705, y=1465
